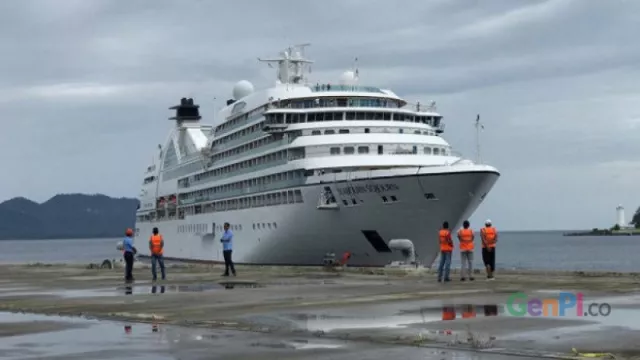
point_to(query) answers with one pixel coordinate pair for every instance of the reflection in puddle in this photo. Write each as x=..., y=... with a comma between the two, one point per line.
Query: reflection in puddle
x=467, y=311
x=74, y=337
x=395, y=319
x=127, y=289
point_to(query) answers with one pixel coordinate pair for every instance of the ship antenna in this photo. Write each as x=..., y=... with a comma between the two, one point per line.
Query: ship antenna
x=479, y=127
x=292, y=64
x=356, y=72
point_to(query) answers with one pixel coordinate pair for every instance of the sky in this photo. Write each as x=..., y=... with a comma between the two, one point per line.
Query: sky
x=85, y=88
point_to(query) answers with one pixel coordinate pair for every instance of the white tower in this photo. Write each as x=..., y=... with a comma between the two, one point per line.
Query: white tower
x=620, y=216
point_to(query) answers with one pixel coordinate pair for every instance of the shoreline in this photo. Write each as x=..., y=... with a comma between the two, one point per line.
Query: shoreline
x=591, y=233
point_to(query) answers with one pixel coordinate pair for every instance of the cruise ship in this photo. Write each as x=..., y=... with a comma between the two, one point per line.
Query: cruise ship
x=304, y=169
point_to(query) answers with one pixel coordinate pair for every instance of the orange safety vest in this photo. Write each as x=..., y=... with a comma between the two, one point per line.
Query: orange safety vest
x=466, y=239
x=448, y=313
x=445, y=240
x=156, y=244
x=489, y=235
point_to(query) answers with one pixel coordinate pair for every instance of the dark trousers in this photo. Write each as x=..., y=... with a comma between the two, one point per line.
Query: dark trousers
x=489, y=258
x=228, y=263
x=160, y=260
x=128, y=266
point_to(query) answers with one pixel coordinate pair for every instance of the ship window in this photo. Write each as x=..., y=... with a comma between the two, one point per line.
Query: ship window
x=366, y=130
x=350, y=115
x=427, y=150
x=329, y=132
x=335, y=151
x=349, y=150
x=316, y=132
x=414, y=150
x=380, y=149
x=436, y=151
x=363, y=149
x=400, y=131
x=394, y=198
x=343, y=131
x=360, y=116
x=384, y=199
x=417, y=132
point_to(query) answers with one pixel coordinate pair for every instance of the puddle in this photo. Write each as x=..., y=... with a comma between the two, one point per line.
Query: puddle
x=125, y=290
x=13, y=289
x=93, y=339
x=72, y=337
x=391, y=317
x=78, y=338
x=299, y=345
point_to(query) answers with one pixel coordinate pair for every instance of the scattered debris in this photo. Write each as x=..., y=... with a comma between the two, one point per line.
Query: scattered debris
x=593, y=355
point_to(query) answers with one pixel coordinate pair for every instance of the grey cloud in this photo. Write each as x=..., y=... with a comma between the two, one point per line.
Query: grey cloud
x=85, y=86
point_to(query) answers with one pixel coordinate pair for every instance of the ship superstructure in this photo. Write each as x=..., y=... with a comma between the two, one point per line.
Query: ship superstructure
x=305, y=168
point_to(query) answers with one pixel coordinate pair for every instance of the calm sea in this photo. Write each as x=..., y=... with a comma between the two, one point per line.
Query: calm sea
x=516, y=250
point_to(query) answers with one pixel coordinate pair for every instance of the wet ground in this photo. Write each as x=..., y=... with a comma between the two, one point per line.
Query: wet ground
x=282, y=313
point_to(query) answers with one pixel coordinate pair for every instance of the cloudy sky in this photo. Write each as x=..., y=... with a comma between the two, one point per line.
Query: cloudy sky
x=85, y=87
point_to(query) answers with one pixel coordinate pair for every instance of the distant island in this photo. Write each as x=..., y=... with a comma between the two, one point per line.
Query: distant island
x=66, y=216
x=615, y=230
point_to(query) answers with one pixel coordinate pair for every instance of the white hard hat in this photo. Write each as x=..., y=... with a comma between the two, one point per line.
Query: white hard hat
x=488, y=222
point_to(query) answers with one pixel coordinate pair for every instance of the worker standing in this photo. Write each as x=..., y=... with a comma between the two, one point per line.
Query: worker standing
x=128, y=252
x=156, y=247
x=466, y=237
x=227, y=248
x=446, y=249
x=489, y=237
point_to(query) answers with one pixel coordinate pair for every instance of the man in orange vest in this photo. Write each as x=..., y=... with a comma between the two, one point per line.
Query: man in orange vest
x=489, y=237
x=466, y=237
x=156, y=247
x=446, y=249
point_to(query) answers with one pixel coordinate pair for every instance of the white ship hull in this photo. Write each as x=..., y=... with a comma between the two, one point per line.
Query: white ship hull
x=301, y=234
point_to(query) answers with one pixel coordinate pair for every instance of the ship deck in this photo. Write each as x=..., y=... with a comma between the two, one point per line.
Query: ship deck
x=282, y=312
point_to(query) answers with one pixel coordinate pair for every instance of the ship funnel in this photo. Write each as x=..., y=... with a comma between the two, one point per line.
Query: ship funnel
x=187, y=111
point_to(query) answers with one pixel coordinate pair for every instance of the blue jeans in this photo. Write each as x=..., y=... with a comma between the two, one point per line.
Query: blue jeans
x=445, y=265
x=160, y=260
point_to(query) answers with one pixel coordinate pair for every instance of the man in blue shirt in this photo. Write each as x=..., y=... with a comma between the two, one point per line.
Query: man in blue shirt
x=128, y=251
x=227, y=247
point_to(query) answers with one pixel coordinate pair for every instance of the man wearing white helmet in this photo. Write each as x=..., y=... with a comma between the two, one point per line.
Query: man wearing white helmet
x=489, y=237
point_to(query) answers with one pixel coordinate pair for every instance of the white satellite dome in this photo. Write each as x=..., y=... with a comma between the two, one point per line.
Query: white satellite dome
x=348, y=77
x=241, y=89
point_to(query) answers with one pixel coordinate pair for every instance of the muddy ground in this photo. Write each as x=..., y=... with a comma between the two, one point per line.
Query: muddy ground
x=278, y=312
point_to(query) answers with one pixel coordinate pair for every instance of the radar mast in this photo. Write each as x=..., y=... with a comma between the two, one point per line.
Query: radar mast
x=292, y=64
